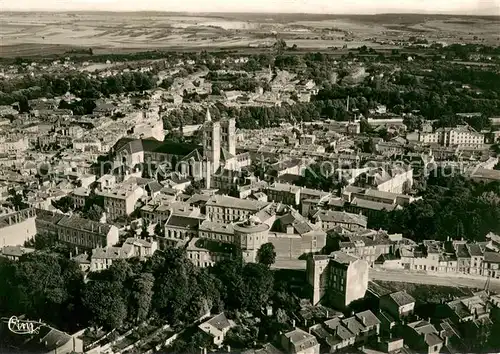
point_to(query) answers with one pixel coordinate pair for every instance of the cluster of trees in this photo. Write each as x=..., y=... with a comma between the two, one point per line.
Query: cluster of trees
x=260, y=117
x=84, y=106
x=463, y=51
x=434, y=97
x=322, y=177
x=435, y=92
x=17, y=199
x=43, y=285
x=48, y=285
x=14, y=90
x=451, y=207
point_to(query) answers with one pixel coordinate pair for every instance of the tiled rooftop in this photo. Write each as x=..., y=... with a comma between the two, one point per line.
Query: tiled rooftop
x=342, y=258
x=402, y=298
x=231, y=202
x=77, y=223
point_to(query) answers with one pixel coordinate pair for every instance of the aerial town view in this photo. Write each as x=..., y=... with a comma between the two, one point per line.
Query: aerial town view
x=256, y=179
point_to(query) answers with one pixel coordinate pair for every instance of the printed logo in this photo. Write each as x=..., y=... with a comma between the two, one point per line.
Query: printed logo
x=18, y=326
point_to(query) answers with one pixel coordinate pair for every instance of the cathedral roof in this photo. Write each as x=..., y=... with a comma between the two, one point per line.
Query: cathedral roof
x=225, y=155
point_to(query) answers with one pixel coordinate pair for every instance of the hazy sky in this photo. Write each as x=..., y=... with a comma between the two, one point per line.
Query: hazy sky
x=488, y=7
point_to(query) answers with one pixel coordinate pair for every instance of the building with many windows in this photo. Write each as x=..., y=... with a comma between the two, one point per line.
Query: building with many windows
x=75, y=231
x=284, y=193
x=205, y=252
x=328, y=219
x=342, y=277
x=103, y=257
x=460, y=136
x=179, y=229
x=121, y=201
x=249, y=236
x=227, y=209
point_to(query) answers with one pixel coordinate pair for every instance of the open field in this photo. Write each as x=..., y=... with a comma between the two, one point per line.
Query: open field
x=25, y=34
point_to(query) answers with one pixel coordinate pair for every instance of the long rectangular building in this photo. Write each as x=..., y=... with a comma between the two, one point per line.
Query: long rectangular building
x=227, y=209
x=76, y=231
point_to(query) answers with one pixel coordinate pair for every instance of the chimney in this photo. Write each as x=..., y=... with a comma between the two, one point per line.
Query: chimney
x=293, y=323
x=229, y=349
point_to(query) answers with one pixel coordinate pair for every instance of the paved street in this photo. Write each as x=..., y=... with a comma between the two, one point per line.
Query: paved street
x=401, y=276
x=289, y=264
x=433, y=280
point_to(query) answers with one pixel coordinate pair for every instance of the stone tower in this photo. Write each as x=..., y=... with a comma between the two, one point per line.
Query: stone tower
x=211, y=142
x=228, y=135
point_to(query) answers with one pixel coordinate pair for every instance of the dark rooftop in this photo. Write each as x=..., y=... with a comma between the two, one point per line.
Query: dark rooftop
x=183, y=221
x=402, y=298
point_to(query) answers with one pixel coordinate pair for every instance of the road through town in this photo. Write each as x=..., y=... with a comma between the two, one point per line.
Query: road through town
x=402, y=276
x=420, y=278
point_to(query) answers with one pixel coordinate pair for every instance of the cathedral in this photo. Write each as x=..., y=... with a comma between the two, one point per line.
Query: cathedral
x=216, y=155
x=219, y=143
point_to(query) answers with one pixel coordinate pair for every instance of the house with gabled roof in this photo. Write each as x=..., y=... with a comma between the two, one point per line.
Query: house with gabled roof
x=328, y=219
x=299, y=342
x=423, y=337
x=339, y=332
x=217, y=328
x=399, y=304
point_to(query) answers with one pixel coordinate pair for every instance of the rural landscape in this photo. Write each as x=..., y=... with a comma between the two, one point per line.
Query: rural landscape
x=46, y=33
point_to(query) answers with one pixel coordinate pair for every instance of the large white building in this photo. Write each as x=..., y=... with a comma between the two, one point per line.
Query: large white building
x=460, y=136
x=393, y=179
x=216, y=241
x=103, y=257
x=121, y=201
x=13, y=145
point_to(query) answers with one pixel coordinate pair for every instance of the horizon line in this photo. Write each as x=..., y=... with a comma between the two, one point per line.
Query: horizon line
x=388, y=12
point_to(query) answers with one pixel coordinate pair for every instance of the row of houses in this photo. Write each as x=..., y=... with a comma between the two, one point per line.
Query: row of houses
x=453, y=257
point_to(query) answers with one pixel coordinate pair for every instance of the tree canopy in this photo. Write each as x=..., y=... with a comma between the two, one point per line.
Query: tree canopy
x=266, y=254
